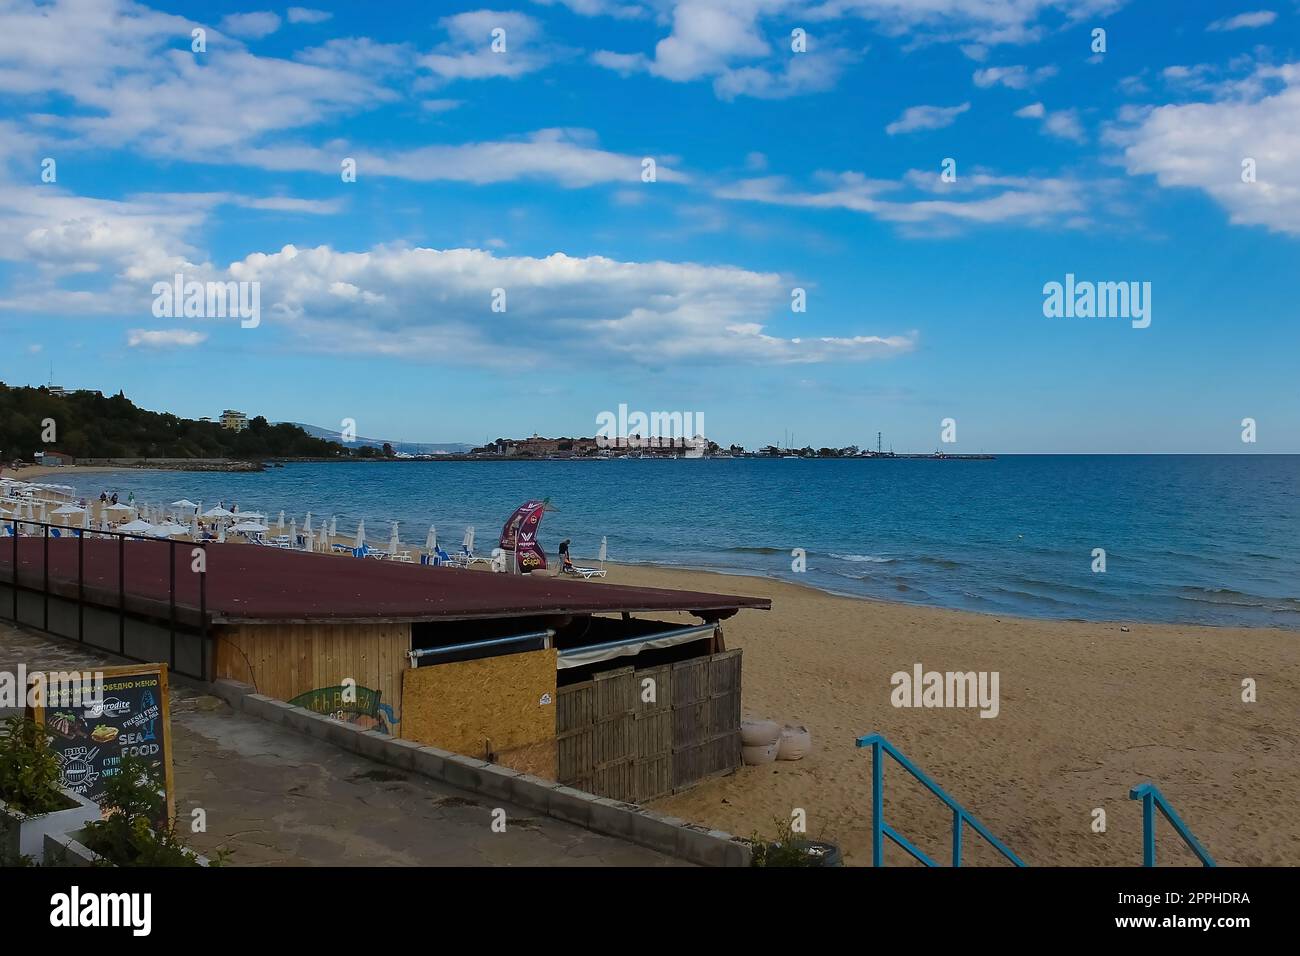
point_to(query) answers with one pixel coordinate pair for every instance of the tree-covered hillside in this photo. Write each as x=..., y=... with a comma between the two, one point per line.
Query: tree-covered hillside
x=89, y=425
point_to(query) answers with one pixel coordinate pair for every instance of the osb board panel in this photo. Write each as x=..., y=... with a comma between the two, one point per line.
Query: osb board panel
x=493, y=705
x=539, y=759
x=285, y=660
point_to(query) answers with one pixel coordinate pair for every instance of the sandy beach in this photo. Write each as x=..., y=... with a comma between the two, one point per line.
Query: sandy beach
x=1087, y=712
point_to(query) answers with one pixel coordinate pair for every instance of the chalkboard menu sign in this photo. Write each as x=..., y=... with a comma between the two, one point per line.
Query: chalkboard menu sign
x=93, y=730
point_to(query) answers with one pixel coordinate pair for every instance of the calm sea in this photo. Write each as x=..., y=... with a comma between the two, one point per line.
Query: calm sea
x=1202, y=539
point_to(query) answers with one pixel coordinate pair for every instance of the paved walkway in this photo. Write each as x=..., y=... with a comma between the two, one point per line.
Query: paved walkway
x=274, y=797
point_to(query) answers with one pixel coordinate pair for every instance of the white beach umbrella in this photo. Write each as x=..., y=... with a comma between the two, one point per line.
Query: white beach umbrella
x=431, y=542
x=221, y=534
x=306, y=525
x=280, y=523
x=85, y=519
x=604, y=550
x=138, y=526
x=218, y=512
x=323, y=542
x=468, y=541
x=185, y=503
x=254, y=527
x=168, y=529
x=392, y=540
x=361, y=533
x=293, y=531
x=334, y=526
x=194, y=526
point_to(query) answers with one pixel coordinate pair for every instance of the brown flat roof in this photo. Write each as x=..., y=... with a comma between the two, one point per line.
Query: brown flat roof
x=247, y=583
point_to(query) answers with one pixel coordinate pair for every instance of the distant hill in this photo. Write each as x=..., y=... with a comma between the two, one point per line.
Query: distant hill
x=407, y=447
x=87, y=424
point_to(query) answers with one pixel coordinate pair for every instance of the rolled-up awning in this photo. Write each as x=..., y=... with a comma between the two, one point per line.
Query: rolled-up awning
x=630, y=647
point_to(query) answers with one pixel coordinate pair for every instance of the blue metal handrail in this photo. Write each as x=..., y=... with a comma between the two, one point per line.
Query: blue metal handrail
x=1152, y=798
x=880, y=829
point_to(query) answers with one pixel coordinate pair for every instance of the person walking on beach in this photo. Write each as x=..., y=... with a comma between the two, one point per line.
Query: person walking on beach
x=566, y=562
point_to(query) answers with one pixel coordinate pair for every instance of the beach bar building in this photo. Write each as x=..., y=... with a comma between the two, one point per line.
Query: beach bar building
x=626, y=692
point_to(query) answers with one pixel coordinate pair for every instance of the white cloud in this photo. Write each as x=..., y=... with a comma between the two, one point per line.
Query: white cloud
x=1063, y=124
x=926, y=117
x=307, y=15
x=1012, y=77
x=722, y=41
x=975, y=199
x=251, y=25
x=1203, y=146
x=599, y=8
x=1243, y=21
x=565, y=157
x=165, y=338
x=467, y=53
x=431, y=303
x=440, y=106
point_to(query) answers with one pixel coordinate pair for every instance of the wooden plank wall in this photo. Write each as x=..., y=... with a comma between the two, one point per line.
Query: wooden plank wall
x=285, y=660
x=617, y=740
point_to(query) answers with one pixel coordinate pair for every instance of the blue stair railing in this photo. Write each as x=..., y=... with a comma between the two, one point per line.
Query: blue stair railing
x=1152, y=799
x=880, y=829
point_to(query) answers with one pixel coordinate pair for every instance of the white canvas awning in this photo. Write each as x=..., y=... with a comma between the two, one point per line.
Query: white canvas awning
x=630, y=647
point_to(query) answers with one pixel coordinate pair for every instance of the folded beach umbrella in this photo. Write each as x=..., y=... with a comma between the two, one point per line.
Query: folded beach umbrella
x=293, y=531
x=194, y=526
x=306, y=525
x=468, y=541
x=85, y=518
x=431, y=542
x=334, y=525
x=280, y=523
x=361, y=533
x=604, y=550
x=392, y=540
x=323, y=542
x=221, y=534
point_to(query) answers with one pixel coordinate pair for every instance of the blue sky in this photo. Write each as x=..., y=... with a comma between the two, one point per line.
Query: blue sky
x=775, y=169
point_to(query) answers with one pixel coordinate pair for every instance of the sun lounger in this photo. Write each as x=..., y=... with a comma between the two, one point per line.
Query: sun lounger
x=584, y=573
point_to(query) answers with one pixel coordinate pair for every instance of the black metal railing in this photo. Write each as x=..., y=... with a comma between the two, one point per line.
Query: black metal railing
x=173, y=624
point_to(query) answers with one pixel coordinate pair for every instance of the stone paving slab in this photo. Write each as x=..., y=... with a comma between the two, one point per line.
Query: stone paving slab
x=278, y=798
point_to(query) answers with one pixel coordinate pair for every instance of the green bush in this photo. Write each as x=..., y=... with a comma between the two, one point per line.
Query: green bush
x=785, y=850
x=29, y=769
x=130, y=835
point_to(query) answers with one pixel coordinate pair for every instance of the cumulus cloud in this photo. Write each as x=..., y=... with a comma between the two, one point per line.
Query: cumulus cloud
x=434, y=303
x=725, y=43
x=1063, y=124
x=926, y=117
x=1204, y=145
x=468, y=54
